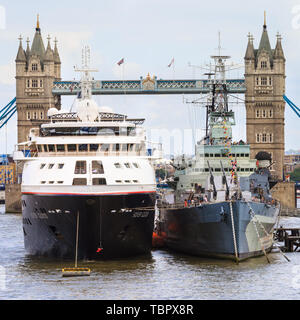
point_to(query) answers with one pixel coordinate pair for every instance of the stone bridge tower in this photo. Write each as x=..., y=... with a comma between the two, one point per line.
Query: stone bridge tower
x=265, y=87
x=36, y=70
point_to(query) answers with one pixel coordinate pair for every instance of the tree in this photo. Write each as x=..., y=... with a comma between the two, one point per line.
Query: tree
x=295, y=175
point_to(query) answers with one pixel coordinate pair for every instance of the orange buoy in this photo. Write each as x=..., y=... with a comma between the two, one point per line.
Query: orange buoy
x=157, y=240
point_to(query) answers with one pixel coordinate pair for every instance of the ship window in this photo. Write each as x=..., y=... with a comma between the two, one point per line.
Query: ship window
x=127, y=181
x=72, y=147
x=130, y=147
x=39, y=148
x=51, y=165
x=60, y=148
x=242, y=155
x=99, y=181
x=60, y=182
x=217, y=169
x=80, y=167
x=51, y=147
x=45, y=148
x=138, y=147
x=206, y=169
x=43, y=182
x=217, y=155
x=124, y=147
x=94, y=147
x=105, y=147
x=51, y=182
x=116, y=147
x=60, y=165
x=135, y=165
x=206, y=154
x=242, y=169
x=127, y=165
x=42, y=165
x=237, y=155
x=79, y=182
x=247, y=155
x=135, y=181
x=118, y=181
x=97, y=167
x=83, y=147
x=118, y=165
x=211, y=155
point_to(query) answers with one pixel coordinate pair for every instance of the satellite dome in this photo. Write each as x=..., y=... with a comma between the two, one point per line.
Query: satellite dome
x=87, y=110
x=52, y=112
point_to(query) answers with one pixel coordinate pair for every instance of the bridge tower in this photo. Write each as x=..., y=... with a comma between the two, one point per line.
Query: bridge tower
x=265, y=106
x=36, y=70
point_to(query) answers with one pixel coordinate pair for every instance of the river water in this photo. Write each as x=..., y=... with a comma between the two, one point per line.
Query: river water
x=160, y=275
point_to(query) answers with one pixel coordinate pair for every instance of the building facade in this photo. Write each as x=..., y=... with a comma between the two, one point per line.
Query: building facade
x=36, y=70
x=265, y=106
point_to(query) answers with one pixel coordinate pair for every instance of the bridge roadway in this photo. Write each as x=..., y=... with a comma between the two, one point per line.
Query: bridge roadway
x=147, y=86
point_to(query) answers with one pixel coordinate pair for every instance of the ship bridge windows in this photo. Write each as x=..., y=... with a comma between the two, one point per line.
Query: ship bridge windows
x=97, y=167
x=80, y=167
x=104, y=147
x=127, y=165
x=116, y=147
x=51, y=148
x=79, y=182
x=83, y=147
x=71, y=148
x=94, y=147
x=60, y=148
x=42, y=166
x=60, y=165
x=88, y=131
x=51, y=165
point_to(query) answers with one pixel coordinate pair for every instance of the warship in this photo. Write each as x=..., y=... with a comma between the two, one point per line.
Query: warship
x=220, y=204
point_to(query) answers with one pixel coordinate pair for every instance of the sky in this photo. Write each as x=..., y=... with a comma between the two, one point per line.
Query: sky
x=148, y=34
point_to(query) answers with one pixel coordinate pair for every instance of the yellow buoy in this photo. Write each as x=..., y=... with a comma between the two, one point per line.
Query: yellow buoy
x=75, y=272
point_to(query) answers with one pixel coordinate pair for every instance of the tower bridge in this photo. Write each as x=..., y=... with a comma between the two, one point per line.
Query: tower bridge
x=147, y=85
x=39, y=86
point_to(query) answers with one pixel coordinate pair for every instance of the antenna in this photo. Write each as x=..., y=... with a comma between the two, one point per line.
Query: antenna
x=86, y=80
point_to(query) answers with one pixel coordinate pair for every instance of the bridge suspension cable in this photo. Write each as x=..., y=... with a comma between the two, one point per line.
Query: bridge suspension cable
x=7, y=112
x=292, y=105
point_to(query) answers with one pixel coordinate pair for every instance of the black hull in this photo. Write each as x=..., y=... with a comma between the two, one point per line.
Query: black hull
x=110, y=226
x=207, y=230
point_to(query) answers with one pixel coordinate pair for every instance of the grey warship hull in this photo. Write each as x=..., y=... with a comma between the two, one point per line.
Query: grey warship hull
x=214, y=230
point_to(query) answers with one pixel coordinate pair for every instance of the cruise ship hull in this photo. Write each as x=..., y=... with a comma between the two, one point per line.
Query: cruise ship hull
x=207, y=230
x=110, y=226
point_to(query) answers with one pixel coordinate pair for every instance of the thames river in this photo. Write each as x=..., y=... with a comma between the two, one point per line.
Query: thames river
x=160, y=275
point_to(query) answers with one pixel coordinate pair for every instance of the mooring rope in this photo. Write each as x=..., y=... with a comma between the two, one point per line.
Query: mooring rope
x=233, y=233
